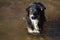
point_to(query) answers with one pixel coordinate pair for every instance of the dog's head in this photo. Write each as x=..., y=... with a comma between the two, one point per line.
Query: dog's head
x=35, y=9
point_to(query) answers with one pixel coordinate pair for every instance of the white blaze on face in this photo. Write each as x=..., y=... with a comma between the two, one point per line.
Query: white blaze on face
x=35, y=23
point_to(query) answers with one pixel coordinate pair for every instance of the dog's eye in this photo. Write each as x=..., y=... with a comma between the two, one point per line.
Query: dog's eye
x=41, y=9
x=31, y=10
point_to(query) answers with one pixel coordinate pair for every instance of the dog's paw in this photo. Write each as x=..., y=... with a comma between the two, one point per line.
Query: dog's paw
x=36, y=31
x=30, y=30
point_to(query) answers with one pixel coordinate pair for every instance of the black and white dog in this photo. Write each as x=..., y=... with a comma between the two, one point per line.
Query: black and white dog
x=35, y=17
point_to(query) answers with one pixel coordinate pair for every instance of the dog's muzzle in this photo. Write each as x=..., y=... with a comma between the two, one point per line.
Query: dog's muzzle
x=33, y=17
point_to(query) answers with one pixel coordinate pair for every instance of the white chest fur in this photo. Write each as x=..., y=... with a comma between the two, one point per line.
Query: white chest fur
x=35, y=24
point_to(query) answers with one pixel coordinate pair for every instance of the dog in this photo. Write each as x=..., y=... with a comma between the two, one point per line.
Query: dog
x=35, y=17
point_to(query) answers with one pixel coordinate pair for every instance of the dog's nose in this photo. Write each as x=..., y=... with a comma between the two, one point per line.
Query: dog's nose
x=33, y=17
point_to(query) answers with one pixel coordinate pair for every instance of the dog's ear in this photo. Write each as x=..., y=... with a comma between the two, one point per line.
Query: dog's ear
x=27, y=10
x=41, y=6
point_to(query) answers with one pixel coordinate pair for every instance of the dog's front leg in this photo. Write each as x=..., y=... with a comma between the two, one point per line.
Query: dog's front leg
x=35, y=24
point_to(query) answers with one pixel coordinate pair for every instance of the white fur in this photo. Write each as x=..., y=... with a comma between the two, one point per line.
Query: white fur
x=32, y=31
x=29, y=30
x=35, y=24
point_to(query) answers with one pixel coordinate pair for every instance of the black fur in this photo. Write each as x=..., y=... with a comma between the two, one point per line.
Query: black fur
x=38, y=6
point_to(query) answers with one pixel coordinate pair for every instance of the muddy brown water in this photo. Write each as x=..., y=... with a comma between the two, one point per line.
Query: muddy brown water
x=13, y=27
